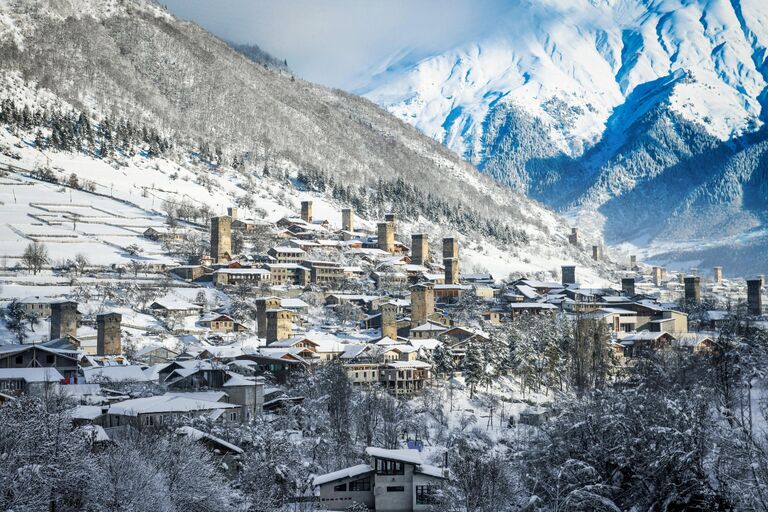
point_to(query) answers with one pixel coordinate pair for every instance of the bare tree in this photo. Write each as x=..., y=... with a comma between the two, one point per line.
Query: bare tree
x=35, y=257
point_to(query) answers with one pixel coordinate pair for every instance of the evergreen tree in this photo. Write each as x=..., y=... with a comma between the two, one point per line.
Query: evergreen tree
x=473, y=368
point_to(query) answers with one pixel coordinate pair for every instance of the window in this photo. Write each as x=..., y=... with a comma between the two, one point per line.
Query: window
x=340, y=487
x=233, y=416
x=395, y=488
x=426, y=494
x=364, y=484
x=389, y=467
x=149, y=420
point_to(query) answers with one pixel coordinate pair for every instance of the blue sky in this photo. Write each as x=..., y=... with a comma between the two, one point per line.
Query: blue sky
x=339, y=42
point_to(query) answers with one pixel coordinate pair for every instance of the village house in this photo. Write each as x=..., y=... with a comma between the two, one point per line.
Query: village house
x=155, y=354
x=284, y=254
x=57, y=354
x=394, y=480
x=288, y=273
x=404, y=377
x=30, y=381
x=322, y=272
x=167, y=410
x=164, y=234
x=174, y=307
x=645, y=342
x=219, y=322
x=190, y=272
x=227, y=276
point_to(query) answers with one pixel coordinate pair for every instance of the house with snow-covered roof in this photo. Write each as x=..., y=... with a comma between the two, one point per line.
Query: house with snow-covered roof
x=394, y=480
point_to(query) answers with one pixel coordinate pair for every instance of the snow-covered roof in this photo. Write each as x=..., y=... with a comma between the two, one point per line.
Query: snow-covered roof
x=85, y=412
x=132, y=373
x=165, y=403
x=360, y=469
x=402, y=455
x=31, y=374
x=409, y=364
x=197, y=435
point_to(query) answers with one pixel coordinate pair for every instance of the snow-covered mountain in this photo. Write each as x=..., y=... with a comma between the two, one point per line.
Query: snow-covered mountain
x=241, y=132
x=591, y=105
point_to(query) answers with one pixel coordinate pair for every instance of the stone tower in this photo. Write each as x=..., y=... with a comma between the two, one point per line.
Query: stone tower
x=693, y=289
x=386, y=231
x=755, y=296
x=392, y=219
x=450, y=248
x=108, y=337
x=568, y=274
x=279, y=324
x=628, y=286
x=232, y=212
x=419, y=249
x=451, y=270
x=221, y=238
x=573, y=238
x=347, y=219
x=718, y=274
x=451, y=260
x=306, y=211
x=63, y=319
x=389, y=320
x=422, y=303
x=632, y=262
x=656, y=275
x=262, y=305
x=597, y=252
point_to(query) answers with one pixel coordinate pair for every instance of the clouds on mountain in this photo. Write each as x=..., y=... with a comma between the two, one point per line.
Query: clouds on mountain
x=335, y=41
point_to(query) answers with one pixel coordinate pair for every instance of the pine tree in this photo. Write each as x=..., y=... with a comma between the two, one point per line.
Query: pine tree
x=443, y=360
x=473, y=368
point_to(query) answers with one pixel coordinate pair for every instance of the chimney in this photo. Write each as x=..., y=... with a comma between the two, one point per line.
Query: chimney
x=568, y=273
x=755, y=297
x=306, y=211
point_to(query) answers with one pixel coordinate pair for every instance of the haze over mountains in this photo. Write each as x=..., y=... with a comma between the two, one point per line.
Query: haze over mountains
x=132, y=60
x=640, y=118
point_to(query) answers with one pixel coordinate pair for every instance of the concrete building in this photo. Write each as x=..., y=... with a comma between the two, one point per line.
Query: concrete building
x=394, y=481
x=279, y=324
x=451, y=270
x=754, y=297
x=347, y=219
x=262, y=305
x=573, y=238
x=108, y=336
x=221, y=238
x=568, y=274
x=693, y=289
x=389, y=320
x=628, y=286
x=63, y=319
x=386, y=232
x=656, y=276
x=419, y=249
x=306, y=211
x=422, y=303
x=718, y=274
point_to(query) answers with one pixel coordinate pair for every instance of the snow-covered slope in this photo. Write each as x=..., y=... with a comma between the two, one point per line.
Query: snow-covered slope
x=572, y=62
x=554, y=102
x=128, y=61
